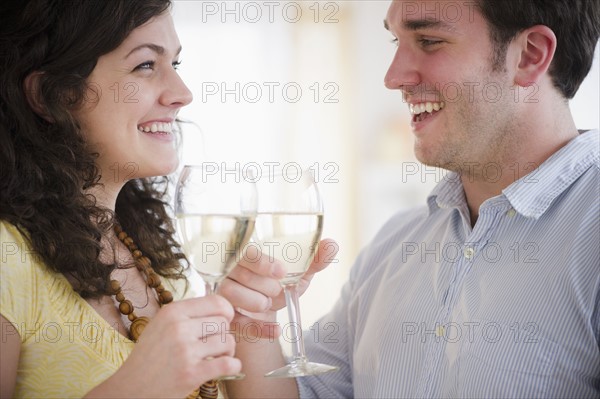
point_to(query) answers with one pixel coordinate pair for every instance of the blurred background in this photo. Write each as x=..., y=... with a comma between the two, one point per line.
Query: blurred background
x=301, y=82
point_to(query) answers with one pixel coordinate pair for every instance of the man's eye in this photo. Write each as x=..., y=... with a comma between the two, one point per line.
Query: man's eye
x=394, y=41
x=176, y=64
x=429, y=42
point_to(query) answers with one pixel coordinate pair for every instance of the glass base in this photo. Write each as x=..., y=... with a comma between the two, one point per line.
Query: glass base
x=294, y=370
x=239, y=376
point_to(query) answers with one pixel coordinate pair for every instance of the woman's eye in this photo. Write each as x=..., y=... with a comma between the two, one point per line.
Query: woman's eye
x=176, y=64
x=145, y=65
x=394, y=41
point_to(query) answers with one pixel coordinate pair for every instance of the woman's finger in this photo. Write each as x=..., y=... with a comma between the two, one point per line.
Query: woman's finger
x=212, y=369
x=211, y=305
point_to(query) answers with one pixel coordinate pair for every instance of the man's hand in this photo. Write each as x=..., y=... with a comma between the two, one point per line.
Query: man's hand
x=254, y=291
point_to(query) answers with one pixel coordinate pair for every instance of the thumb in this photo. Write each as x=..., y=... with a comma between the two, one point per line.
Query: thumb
x=325, y=255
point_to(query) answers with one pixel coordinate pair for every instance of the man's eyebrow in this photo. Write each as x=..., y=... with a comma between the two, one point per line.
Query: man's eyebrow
x=416, y=24
x=160, y=50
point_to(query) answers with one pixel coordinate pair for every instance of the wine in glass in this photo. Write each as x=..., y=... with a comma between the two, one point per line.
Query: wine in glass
x=288, y=228
x=215, y=217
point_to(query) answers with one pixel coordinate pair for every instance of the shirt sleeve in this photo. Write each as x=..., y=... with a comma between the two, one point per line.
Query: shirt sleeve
x=16, y=279
x=331, y=341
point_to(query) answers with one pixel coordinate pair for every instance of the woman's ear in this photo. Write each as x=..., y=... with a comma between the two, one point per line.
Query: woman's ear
x=31, y=85
x=537, y=46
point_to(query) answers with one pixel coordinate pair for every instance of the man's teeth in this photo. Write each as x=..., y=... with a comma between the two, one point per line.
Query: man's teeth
x=156, y=127
x=417, y=109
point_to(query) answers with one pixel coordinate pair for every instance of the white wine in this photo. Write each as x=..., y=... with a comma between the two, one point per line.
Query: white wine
x=213, y=243
x=290, y=238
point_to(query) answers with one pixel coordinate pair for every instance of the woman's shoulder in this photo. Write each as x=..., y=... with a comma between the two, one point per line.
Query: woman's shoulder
x=17, y=255
x=19, y=263
x=8, y=232
x=24, y=277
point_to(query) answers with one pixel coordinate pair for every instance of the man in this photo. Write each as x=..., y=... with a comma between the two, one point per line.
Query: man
x=493, y=288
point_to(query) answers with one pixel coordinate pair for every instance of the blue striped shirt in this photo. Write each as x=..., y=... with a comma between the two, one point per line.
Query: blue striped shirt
x=509, y=308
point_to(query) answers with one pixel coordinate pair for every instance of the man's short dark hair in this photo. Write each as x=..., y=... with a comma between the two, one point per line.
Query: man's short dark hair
x=576, y=24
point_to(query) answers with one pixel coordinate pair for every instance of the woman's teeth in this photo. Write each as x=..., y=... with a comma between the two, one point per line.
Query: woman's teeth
x=156, y=127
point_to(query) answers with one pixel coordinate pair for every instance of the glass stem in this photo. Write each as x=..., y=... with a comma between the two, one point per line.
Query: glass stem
x=211, y=288
x=291, y=299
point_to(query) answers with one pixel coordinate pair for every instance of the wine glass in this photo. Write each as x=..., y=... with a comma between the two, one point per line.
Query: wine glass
x=215, y=212
x=288, y=229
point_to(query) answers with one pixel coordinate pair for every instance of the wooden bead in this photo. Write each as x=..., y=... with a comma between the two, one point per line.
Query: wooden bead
x=120, y=297
x=128, y=241
x=126, y=307
x=115, y=286
x=153, y=280
x=209, y=390
x=138, y=326
x=131, y=316
x=165, y=297
x=137, y=254
x=160, y=289
x=143, y=263
x=122, y=235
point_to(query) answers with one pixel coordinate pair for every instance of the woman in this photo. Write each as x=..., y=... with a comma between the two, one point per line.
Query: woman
x=89, y=97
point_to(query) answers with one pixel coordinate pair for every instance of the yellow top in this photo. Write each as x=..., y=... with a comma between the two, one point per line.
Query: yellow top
x=67, y=348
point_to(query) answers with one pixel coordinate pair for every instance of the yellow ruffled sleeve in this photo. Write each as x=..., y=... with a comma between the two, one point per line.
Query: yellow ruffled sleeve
x=17, y=280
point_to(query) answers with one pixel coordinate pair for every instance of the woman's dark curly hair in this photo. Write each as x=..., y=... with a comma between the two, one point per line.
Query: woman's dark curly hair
x=45, y=164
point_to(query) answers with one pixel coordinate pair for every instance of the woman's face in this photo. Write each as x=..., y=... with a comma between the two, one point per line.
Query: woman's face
x=133, y=99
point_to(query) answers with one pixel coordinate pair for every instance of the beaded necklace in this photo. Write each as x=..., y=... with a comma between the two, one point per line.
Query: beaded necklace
x=208, y=390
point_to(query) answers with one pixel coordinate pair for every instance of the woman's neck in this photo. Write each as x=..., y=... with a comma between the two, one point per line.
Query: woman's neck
x=105, y=194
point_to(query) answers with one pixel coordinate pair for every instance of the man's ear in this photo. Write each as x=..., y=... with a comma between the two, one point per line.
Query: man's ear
x=31, y=86
x=537, y=45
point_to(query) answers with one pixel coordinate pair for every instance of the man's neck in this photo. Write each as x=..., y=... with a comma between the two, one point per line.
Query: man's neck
x=535, y=148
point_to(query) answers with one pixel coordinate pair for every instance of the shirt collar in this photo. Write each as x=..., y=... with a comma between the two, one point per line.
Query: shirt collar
x=532, y=194
x=448, y=193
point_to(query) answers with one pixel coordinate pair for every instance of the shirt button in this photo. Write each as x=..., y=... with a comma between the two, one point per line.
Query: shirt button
x=469, y=252
x=511, y=213
x=439, y=331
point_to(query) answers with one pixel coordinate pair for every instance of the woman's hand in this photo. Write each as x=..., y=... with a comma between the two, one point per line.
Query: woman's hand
x=186, y=344
x=253, y=289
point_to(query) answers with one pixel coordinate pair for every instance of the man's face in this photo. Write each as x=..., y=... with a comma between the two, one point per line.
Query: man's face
x=462, y=111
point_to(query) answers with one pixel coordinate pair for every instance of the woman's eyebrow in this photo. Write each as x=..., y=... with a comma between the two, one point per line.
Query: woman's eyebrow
x=160, y=50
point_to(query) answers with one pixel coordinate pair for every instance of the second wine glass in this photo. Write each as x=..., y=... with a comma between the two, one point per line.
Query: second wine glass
x=288, y=229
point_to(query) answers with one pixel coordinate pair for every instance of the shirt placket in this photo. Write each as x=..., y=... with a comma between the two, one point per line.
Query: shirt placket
x=435, y=345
